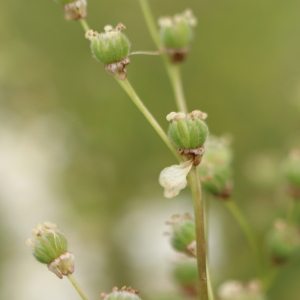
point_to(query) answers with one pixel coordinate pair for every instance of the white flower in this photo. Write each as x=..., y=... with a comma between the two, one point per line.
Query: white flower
x=173, y=179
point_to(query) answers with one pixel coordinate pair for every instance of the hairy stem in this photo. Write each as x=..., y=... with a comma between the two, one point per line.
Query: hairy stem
x=248, y=231
x=77, y=287
x=125, y=84
x=200, y=233
x=172, y=70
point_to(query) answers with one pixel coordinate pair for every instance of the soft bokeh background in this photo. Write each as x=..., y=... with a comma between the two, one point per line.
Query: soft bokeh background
x=74, y=150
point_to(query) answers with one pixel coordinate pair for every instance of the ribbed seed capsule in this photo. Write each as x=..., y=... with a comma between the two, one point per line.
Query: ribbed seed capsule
x=111, y=48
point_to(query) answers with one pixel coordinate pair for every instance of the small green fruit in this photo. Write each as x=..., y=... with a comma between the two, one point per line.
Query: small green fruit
x=50, y=246
x=176, y=34
x=215, y=169
x=111, y=48
x=126, y=293
x=283, y=241
x=188, y=131
x=183, y=236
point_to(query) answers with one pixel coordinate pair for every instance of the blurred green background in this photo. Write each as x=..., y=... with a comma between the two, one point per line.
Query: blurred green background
x=74, y=149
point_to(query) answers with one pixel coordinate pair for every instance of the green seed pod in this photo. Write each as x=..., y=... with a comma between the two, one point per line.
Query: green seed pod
x=50, y=246
x=215, y=169
x=188, y=132
x=291, y=170
x=123, y=294
x=183, y=236
x=283, y=240
x=111, y=48
x=235, y=290
x=186, y=275
x=176, y=34
x=74, y=9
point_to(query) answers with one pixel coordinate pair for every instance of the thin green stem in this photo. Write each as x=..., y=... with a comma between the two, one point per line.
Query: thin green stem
x=125, y=84
x=209, y=284
x=77, y=287
x=84, y=25
x=248, y=231
x=200, y=232
x=172, y=70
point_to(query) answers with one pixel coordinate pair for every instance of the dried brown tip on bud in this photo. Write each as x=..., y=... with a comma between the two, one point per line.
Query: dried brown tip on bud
x=118, y=68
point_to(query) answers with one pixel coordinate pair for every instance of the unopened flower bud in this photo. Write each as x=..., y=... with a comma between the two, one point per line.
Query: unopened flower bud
x=188, y=132
x=74, y=9
x=50, y=246
x=215, y=169
x=283, y=241
x=292, y=173
x=125, y=293
x=176, y=34
x=111, y=48
x=183, y=236
x=235, y=290
x=186, y=275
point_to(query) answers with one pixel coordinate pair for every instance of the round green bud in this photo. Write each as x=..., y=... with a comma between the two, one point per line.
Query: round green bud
x=283, y=241
x=111, y=46
x=50, y=246
x=48, y=242
x=176, y=34
x=215, y=169
x=126, y=293
x=188, y=131
x=183, y=236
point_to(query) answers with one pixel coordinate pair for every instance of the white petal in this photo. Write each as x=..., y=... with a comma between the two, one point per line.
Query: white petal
x=173, y=179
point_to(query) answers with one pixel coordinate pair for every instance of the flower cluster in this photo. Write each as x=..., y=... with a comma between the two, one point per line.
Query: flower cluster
x=125, y=293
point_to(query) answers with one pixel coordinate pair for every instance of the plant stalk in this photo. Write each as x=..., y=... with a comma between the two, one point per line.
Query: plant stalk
x=249, y=233
x=172, y=69
x=77, y=287
x=84, y=25
x=125, y=84
x=200, y=233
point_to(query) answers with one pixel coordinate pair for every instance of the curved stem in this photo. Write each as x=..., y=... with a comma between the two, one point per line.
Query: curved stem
x=77, y=287
x=172, y=70
x=125, y=84
x=209, y=284
x=248, y=231
x=200, y=232
x=84, y=24
x=145, y=52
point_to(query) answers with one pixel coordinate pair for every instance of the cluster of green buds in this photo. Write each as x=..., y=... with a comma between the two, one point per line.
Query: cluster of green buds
x=50, y=246
x=215, y=169
x=235, y=290
x=188, y=133
x=283, y=241
x=111, y=48
x=292, y=173
x=74, y=9
x=176, y=34
x=125, y=293
x=186, y=276
x=183, y=235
